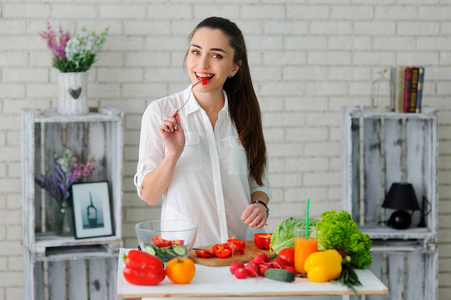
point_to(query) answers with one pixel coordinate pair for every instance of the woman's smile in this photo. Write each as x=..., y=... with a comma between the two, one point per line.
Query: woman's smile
x=204, y=76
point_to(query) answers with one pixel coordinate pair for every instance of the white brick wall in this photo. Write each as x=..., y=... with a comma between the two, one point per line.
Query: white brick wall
x=308, y=59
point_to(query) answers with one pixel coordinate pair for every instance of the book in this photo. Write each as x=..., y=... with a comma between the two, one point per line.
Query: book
x=399, y=88
x=414, y=89
x=407, y=89
x=420, y=89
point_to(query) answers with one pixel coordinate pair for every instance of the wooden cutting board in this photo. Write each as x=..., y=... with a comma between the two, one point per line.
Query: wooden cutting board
x=250, y=251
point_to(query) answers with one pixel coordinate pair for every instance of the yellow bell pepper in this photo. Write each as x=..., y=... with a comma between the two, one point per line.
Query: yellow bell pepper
x=323, y=266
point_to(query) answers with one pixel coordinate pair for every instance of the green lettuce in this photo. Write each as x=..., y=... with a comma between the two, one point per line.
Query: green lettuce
x=337, y=230
x=283, y=235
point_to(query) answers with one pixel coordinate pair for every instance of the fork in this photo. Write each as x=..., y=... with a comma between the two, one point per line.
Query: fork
x=186, y=101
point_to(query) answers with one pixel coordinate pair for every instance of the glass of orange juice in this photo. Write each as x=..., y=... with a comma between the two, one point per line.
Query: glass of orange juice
x=305, y=243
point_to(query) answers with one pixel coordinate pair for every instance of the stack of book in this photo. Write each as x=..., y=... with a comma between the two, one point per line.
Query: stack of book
x=408, y=84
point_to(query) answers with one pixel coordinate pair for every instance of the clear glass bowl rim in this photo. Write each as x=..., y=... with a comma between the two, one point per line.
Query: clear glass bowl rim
x=138, y=226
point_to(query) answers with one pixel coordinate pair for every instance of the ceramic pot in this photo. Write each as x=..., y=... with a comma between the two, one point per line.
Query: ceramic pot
x=72, y=93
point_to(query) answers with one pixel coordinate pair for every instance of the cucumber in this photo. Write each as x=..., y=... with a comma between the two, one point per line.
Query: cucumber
x=179, y=250
x=279, y=274
x=150, y=250
x=169, y=254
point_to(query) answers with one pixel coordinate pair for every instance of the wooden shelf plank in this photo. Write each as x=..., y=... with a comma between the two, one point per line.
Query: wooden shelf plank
x=384, y=232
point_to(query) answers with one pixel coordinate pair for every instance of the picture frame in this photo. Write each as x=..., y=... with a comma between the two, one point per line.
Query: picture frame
x=92, y=210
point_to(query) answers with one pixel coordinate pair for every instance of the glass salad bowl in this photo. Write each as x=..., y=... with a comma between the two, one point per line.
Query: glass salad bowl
x=167, y=239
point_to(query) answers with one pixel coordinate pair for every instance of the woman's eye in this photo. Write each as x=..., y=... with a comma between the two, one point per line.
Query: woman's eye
x=195, y=52
x=217, y=56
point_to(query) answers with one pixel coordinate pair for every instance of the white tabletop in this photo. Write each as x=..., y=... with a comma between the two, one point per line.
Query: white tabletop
x=219, y=282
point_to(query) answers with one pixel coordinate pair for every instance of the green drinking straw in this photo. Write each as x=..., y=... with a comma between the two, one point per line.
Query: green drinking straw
x=306, y=223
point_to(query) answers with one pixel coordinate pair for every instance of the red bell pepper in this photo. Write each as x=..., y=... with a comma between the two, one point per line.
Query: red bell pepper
x=141, y=268
x=204, y=253
x=236, y=245
x=222, y=251
x=262, y=240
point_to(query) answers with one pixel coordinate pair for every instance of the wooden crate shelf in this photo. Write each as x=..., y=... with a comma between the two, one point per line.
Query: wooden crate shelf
x=97, y=135
x=379, y=149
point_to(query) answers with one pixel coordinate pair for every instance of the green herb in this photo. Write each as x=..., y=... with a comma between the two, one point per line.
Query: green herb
x=349, y=278
x=337, y=230
x=283, y=235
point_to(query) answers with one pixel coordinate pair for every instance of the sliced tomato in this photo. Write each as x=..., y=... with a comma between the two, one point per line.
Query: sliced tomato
x=177, y=242
x=161, y=242
x=262, y=240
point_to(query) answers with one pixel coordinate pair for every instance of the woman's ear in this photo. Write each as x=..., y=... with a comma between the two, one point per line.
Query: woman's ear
x=235, y=68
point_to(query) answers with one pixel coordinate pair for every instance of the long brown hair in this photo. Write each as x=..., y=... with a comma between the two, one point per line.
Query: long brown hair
x=243, y=103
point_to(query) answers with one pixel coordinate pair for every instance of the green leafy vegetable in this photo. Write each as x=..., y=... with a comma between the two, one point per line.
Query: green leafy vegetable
x=283, y=235
x=337, y=230
x=349, y=278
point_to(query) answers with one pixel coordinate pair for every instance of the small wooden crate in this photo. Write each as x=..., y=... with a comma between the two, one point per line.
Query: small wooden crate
x=377, y=150
x=85, y=266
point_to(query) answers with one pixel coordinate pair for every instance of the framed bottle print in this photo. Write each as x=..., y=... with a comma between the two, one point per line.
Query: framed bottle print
x=92, y=210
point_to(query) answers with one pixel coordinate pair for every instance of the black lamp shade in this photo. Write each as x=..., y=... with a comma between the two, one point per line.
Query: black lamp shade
x=401, y=196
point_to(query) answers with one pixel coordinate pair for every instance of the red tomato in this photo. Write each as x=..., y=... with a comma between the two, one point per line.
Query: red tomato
x=287, y=255
x=160, y=242
x=177, y=242
x=262, y=240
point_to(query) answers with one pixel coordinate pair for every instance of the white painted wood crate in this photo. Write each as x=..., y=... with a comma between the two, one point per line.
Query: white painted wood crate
x=64, y=267
x=377, y=150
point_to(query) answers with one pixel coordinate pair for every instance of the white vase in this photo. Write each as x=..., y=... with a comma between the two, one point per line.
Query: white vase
x=72, y=93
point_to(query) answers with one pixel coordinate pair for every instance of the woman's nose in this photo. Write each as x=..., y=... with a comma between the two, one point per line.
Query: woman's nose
x=204, y=62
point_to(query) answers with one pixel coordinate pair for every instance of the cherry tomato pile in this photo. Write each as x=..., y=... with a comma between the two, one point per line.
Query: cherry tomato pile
x=262, y=262
x=223, y=250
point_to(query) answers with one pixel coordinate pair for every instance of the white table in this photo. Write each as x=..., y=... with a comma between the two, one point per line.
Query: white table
x=219, y=282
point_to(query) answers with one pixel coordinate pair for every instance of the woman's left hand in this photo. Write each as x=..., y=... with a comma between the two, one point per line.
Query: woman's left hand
x=254, y=215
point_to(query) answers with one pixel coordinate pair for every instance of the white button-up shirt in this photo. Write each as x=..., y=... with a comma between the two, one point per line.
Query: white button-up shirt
x=211, y=185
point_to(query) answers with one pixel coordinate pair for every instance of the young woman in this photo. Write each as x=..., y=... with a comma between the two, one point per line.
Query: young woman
x=208, y=160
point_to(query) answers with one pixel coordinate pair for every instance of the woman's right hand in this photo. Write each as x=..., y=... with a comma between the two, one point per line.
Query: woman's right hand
x=171, y=132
